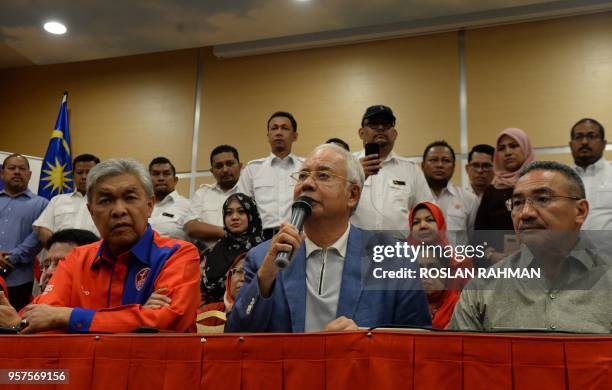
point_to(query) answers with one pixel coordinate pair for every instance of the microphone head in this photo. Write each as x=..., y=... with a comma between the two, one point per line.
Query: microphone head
x=304, y=203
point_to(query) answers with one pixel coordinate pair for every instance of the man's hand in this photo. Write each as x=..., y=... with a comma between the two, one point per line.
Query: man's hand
x=287, y=239
x=4, y=261
x=8, y=315
x=157, y=300
x=371, y=164
x=341, y=324
x=44, y=317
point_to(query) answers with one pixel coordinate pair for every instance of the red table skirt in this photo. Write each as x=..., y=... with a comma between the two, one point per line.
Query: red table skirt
x=357, y=360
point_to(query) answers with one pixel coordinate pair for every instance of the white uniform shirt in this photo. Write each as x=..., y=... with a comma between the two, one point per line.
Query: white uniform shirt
x=267, y=181
x=471, y=191
x=459, y=207
x=207, y=203
x=170, y=215
x=597, y=180
x=67, y=211
x=388, y=196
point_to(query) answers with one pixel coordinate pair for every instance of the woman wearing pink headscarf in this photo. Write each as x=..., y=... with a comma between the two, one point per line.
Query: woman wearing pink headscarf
x=513, y=151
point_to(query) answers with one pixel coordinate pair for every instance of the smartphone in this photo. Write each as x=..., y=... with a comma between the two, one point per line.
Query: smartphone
x=372, y=148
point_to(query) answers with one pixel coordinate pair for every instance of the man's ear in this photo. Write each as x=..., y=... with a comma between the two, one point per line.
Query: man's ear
x=361, y=132
x=354, y=195
x=150, y=205
x=582, y=210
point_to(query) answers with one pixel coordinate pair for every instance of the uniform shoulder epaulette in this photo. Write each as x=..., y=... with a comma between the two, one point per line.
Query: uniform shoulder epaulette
x=257, y=161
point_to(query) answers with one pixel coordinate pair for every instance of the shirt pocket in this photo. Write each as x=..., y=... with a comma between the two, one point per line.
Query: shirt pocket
x=603, y=198
x=263, y=188
x=64, y=216
x=456, y=218
x=400, y=196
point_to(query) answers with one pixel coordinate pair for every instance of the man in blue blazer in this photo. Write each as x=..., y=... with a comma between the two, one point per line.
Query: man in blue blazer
x=329, y=283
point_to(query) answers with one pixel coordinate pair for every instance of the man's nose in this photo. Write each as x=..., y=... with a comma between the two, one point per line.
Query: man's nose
x=528, y=211
x=119, y=209
x=309, y=184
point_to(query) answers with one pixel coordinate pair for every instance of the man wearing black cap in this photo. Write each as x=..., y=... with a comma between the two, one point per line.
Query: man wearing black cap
x=393, y=183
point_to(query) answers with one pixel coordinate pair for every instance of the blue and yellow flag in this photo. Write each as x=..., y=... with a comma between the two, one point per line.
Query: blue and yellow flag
x=56, y=171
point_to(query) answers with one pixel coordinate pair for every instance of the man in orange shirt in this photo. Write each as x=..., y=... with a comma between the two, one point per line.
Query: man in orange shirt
x=103, y=287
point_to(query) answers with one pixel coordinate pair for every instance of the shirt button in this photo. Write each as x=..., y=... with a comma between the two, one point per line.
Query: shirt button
x=552, y=296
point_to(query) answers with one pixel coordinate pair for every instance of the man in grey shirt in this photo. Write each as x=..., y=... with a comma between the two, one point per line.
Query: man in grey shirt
x=572, y=292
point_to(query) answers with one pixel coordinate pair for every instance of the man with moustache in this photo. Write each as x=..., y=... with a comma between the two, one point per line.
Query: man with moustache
x=572, y=294
x=171, y=209
x=393, y=184
x=267, y=179
x=588, y=142
x=480, y=169
x=322, y=288
x=104, y=287
x=458, y=205
x=69, y=211
x=19, y=244
x=205, y=220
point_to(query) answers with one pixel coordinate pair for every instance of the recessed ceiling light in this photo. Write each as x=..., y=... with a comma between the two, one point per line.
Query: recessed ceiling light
x=55, y=28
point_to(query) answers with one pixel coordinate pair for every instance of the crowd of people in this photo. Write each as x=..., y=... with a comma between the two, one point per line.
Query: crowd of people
x=126, y=251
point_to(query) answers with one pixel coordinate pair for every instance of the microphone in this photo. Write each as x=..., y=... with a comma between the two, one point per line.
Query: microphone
x=301, y=209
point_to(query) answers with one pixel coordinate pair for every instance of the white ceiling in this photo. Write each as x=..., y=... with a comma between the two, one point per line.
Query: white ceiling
x=103, y=29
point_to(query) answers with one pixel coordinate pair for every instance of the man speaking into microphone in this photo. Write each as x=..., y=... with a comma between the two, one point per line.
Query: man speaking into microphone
x=321, y=286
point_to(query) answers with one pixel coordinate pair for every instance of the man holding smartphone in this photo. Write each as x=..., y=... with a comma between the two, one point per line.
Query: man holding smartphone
x=393, y=184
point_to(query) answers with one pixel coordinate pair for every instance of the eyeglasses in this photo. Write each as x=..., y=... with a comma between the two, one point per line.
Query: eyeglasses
x=375, y=125
x=237, y=271
x=540, y=201
x=318, y=176
x=481, y=166
x=587, y=136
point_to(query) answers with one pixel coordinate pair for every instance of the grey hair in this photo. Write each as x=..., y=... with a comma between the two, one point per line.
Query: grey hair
x=354, y=170
x=115, y=167
x=576, y=186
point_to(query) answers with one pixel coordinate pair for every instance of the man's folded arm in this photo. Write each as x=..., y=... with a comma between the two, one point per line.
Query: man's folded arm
x=181, y=279
x=466, y=315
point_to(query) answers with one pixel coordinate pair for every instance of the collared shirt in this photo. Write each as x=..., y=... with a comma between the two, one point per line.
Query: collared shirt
x=169, y=216
x=107, y=292
x=470, y=189
x=67, y=211
x=267, y=181
x=16, y=234
x=459, y=207
x=323, y=279
x=388, y=196
x=577, y=301
x=206, y=205
x=597, y=179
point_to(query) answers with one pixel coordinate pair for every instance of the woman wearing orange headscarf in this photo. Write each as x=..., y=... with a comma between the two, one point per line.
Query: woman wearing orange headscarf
x=428, y=227
x=513, y=151
x=212, y=317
